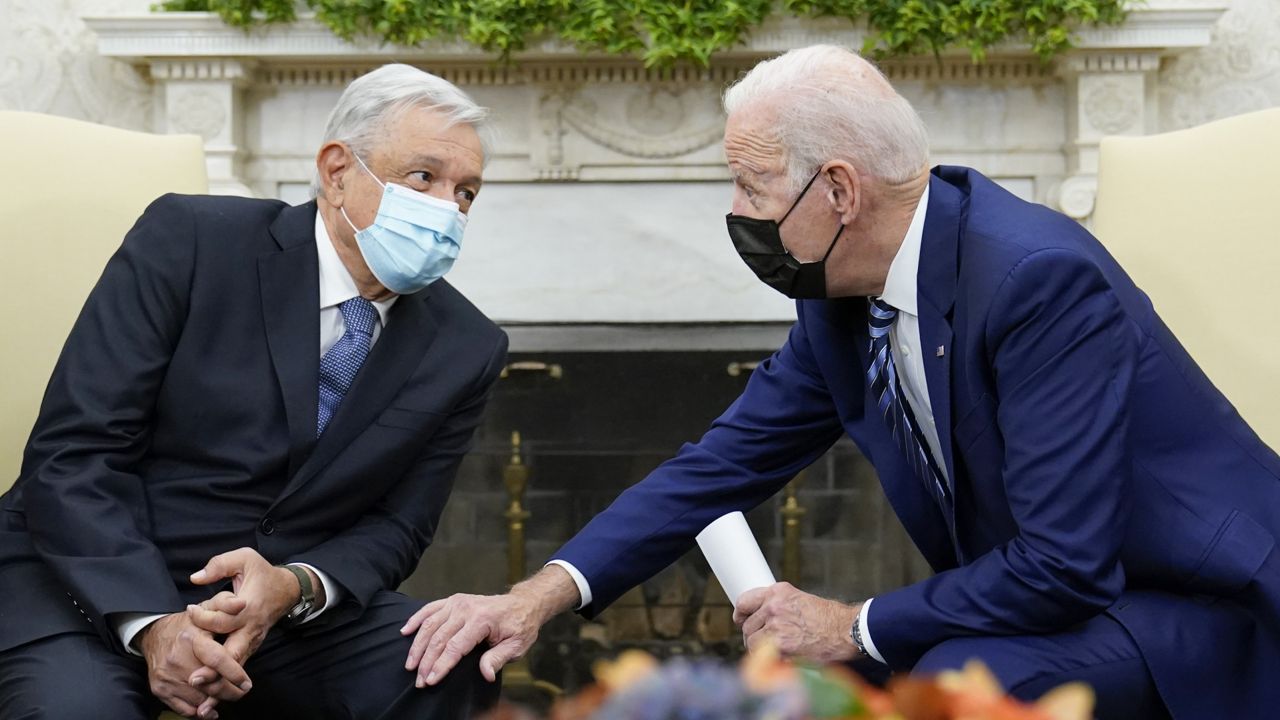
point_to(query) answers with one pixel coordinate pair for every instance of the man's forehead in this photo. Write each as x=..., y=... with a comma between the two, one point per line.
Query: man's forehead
x=751, y=145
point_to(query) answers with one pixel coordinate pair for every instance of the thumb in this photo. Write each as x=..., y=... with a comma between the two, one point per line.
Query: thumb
x=749, y=602
x=497, y=657
x=219, y=567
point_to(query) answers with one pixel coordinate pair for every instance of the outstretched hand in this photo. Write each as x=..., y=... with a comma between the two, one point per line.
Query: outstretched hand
x=448, y=630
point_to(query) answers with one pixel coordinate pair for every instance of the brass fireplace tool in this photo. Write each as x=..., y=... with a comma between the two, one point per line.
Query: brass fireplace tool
x=515, y=476
x=791, y=513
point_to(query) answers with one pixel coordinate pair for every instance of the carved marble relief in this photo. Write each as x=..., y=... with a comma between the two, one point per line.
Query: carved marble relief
x=49, y=63
x=1238, y=72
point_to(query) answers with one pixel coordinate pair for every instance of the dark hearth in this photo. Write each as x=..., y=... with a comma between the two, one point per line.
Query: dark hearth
x=601, y=426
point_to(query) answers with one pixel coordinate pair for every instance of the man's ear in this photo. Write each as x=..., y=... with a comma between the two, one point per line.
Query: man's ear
x=333, y=160
x=845, y=190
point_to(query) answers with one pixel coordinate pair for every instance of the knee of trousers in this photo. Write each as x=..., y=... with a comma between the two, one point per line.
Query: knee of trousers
x=75, y=698
x=950, y=655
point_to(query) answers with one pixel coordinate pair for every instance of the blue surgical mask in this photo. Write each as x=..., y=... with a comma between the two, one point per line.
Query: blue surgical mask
x=413, y=240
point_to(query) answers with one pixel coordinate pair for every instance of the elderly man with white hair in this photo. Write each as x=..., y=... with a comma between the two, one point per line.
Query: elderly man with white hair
x=249, y=438
x=1094, y=508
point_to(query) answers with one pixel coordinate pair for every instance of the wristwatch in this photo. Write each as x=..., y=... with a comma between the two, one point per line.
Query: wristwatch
x=306, y=602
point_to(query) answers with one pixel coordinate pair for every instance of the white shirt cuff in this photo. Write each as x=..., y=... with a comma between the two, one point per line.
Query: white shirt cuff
x=128, y=625
x=584, y=590
x=332, y=593
x=867, y=642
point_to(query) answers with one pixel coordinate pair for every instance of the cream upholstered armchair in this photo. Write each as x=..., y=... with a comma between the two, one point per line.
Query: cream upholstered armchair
x=1194, y=217
x=69, y=193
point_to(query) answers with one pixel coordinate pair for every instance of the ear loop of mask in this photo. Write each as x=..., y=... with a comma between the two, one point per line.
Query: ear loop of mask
x=832, y=246
x=799, y=197
x=343, y=209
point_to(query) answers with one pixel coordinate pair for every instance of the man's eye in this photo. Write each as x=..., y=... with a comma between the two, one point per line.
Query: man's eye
x=421, y=176
x=465, y=194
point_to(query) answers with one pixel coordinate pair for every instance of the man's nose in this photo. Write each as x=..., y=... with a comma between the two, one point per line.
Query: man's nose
x=443, y=191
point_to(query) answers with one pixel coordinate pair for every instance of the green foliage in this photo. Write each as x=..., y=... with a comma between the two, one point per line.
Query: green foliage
x=663, y=33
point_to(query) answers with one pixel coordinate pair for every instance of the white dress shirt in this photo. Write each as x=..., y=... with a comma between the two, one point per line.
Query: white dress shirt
x=336, y=287
x=900, y=291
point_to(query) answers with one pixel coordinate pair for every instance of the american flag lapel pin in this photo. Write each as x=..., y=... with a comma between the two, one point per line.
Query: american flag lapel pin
x=941, y=350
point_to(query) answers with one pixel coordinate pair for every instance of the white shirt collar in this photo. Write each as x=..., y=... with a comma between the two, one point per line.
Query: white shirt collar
x=336, y=284
x=901, y=284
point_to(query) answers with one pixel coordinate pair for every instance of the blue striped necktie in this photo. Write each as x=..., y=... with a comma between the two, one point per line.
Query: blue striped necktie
x=882, y=378
x=339, y=366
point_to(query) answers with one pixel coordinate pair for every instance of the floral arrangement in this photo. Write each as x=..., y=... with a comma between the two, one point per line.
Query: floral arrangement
x=766, y=687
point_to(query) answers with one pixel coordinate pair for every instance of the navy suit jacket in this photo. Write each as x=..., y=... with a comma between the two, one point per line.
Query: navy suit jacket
x=180, y=422
x=1095, y=468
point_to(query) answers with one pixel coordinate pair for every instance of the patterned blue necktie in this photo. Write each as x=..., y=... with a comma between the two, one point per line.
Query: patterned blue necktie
x=882, y=378
x=339, y=366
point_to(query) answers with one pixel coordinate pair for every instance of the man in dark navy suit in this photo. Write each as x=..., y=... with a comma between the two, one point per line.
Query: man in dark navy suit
x=1094, y=508
x=249, y=438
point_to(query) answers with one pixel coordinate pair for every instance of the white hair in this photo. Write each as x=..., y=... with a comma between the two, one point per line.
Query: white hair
x=373, y=99
x=831, y=104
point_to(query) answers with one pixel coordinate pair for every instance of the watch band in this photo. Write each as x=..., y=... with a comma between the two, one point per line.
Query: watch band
x=855, y=633
x=306, y=602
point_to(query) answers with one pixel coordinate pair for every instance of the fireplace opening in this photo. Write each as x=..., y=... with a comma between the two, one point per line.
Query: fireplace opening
x=566, y=431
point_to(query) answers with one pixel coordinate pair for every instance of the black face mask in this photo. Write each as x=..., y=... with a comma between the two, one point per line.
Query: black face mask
x=759, y=244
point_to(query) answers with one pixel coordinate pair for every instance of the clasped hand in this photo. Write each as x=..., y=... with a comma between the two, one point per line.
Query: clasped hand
x=189, y=669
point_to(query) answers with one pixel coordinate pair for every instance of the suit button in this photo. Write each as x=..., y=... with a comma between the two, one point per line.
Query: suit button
x=267, y=526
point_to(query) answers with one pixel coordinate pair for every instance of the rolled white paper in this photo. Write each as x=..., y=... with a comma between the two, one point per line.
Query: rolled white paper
x=734, y=556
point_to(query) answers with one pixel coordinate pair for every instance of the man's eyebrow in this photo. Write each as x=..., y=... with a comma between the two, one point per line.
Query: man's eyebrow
x=436, y=161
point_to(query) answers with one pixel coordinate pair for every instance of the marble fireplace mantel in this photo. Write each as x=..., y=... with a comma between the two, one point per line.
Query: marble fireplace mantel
x=605, y=194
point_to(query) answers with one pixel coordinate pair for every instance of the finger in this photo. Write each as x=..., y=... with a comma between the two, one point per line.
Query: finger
x=225, y=601
x=462, y=643
x=178, y=705
x=497, y=657
x=435, y=642
x=756, y=639
x=206, y=710
x=426, y=611
x=749, y=602
x=213, y=655
x=215, y=621
x=186, y=694
x=753, y=624
x=243, y=643
x=201, y=676
x=222, y=566
x=429, y=629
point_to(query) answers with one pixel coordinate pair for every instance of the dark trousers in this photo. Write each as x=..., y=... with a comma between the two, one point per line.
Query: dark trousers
x=1099, y=652
x=349, y=668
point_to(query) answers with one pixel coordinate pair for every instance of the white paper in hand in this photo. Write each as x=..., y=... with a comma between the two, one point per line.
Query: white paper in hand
x=734, y=556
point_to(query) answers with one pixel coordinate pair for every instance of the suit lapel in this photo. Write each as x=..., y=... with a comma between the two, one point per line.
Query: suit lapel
x=398, y=351
x=290, y=287
x=842, y=355
x=936, y=291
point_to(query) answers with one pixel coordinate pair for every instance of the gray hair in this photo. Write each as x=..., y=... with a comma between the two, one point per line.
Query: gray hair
x=378, y=96
x=832, y=104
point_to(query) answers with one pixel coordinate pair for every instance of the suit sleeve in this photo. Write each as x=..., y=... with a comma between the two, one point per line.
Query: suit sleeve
x=86, y=509
x=384, y=546
x=783, y=421
x=1063, y=354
